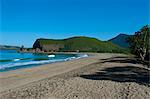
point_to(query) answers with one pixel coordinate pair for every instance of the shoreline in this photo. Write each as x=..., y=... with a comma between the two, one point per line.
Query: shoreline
x=68, y=80
x=21, y=73
x=79, y=56
x=42, y=52
x=31, y=74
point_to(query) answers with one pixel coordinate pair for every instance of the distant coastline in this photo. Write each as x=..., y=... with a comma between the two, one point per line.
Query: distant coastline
x=9, y=47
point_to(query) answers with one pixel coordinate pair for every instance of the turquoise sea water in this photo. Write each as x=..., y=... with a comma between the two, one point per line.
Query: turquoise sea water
x=11, y=59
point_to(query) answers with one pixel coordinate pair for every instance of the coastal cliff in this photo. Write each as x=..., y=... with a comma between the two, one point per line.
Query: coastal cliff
x=48, y=45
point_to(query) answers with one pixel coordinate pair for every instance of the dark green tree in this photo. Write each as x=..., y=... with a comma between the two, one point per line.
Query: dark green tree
x=22, y=47
x=140, y=43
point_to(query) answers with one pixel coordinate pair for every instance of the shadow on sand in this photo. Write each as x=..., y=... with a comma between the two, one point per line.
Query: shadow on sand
x=121, y=74
x=121, y=60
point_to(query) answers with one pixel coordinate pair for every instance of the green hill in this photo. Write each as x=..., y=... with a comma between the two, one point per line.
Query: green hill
x=82, y=44
x=121, y=40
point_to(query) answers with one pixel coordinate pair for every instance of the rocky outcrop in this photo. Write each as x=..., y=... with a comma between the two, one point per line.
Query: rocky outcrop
x=47, y=46
x=37, y=45
x=51, y=47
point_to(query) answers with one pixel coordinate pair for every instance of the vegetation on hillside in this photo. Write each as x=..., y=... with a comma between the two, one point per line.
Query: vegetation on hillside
x=82, y=44
x=121, y=40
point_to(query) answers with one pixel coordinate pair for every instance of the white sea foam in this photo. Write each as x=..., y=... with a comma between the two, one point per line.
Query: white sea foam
x=27, y=63
x=17, y=59
x=51, y=55
x=17, y=64
x=82, y=56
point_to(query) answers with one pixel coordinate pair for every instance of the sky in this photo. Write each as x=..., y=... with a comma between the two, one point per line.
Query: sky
x=23, y=21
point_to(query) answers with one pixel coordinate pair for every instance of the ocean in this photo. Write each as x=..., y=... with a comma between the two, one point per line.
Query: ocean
x=12, y=60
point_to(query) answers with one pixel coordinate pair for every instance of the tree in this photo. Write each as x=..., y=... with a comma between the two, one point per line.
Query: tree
x=22, y=47
x=139, y=43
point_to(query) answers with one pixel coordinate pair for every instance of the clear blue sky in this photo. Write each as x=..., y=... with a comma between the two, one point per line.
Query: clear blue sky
x=23, y=21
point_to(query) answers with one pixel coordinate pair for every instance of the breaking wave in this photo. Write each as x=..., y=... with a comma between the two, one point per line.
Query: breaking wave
x=37, y=61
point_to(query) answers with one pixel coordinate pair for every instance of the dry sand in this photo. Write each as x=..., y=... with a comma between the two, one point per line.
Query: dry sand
x=101, y=76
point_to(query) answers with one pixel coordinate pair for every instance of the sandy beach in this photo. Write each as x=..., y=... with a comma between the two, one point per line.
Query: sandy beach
x=100, y=76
